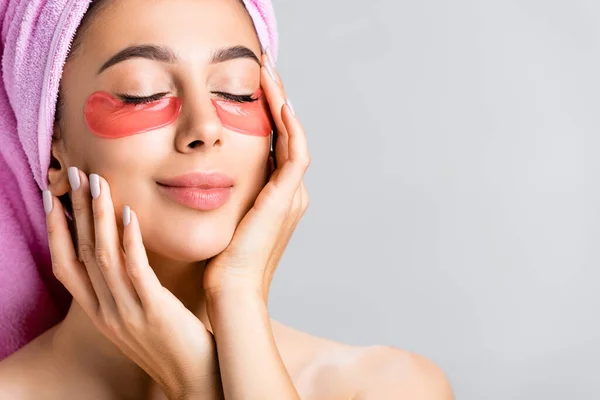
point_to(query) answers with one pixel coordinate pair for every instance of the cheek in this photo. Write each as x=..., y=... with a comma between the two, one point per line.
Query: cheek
x=110, y=118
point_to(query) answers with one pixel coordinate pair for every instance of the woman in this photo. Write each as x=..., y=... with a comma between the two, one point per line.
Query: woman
x=156, y=96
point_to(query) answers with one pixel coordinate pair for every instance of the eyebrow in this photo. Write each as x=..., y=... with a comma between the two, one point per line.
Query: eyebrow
x=167, y=55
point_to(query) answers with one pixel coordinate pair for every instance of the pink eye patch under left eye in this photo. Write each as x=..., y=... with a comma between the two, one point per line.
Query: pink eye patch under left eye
x=111, y=118
x=251, y=118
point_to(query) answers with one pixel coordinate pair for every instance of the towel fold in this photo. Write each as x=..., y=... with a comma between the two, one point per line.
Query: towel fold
x=35, y=36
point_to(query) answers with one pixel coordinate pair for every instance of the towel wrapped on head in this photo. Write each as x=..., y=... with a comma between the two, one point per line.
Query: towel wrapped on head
x=35, y=37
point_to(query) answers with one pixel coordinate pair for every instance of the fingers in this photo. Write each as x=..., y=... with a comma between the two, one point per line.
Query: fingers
x=113, y=276
x=268, y=56
x=110, y=259
x=65, y=265
x=276, y=99
x=142, y=276
x=86, y=237
x=292, y=171
x=293, y=159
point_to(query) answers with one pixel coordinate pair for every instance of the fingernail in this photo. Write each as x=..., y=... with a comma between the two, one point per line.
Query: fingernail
x=126, y=215
x=47, y=196
x=270, y=69
x=289, y=103
x=270, y=55
x=95, y=185
x=74, y=178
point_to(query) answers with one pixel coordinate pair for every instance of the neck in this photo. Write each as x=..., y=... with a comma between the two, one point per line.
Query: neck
x=184, y=280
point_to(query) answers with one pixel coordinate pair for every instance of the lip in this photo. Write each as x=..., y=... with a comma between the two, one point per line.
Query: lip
x=198, y=190
x=202, y=180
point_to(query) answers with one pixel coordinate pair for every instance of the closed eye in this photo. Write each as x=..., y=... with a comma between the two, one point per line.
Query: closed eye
x=129, y=99
x=246, y=98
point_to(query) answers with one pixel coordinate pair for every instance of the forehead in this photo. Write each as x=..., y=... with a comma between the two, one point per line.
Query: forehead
x=192, y=28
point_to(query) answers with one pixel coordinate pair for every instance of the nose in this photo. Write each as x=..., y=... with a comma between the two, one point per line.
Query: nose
x=199, y=128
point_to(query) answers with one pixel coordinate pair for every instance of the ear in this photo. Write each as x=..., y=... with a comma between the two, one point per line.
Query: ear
x=58, y=178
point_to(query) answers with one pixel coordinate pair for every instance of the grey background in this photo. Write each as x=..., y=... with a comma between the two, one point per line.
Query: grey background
x=454, y=186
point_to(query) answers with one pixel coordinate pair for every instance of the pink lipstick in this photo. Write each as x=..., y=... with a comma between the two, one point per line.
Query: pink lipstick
x=200, y=191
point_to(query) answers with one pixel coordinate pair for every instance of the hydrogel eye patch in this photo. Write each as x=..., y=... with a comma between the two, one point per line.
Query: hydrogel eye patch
x=111, y=118
x=251, y=118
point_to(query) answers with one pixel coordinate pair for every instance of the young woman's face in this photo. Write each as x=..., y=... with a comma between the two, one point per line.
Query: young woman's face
x=186, y=131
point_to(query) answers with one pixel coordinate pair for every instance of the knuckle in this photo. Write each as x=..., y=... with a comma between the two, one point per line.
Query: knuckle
x=278, y=204
x=77, y=204
x=112, y=325
x=51, y=229
x=98, y=214
x=132, y=323
x=302, y=164
x=306, y=202
x=59, y=271
x=306, y=162
x=133, y=270
x=127, y=241
x=86, y=251
x=103, y=259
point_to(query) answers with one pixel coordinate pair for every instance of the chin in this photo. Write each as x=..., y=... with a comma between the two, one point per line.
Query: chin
x=187, y=235
x=190, y=241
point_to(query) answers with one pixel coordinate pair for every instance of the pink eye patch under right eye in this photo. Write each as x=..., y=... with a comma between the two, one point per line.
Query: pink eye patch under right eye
x=111, y=118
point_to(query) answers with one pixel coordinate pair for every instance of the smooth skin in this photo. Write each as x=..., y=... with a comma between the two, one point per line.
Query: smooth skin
x=148, y=320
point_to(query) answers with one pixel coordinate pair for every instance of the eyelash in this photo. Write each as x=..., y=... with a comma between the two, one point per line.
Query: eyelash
x=127, y=99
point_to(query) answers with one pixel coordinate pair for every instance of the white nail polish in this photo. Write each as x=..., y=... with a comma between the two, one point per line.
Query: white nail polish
x=126, y=215
x=271, y=70
x=73, y=174
x=270, y=55
x=95, y=185
x=289, y=103
x=47, y=198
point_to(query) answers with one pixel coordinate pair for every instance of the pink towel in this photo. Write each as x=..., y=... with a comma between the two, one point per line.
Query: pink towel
x=35, y=36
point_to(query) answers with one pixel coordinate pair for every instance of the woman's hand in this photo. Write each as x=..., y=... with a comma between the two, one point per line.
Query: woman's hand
x=260, y=239
x=123, y=297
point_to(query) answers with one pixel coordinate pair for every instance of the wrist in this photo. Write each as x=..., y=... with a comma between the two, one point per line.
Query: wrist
x=235, y=289
x=231, y=294
x=229, y=304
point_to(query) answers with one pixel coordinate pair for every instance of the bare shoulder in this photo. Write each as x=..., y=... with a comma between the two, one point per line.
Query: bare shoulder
x=19, y=373
x=387, y=372
x=34, y=372
x=323, y=369
x=10, y=385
